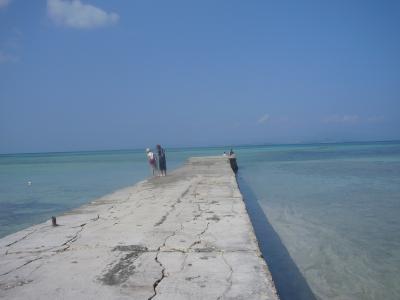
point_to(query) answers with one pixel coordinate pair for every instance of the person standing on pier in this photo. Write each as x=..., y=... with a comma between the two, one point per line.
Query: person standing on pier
x=152, y=160
x=162, y=163
x=232, y=161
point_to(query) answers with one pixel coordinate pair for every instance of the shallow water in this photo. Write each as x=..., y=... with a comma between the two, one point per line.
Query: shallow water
x=336, y=210
x=332, y=229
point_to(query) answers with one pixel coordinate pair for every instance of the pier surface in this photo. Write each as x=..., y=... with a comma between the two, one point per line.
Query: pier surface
x=183, y=236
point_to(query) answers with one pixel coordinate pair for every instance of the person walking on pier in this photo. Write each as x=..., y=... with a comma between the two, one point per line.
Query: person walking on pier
x=162, y=163
x=152, y=160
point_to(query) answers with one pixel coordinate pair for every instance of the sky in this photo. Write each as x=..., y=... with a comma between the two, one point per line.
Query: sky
x=123, y=74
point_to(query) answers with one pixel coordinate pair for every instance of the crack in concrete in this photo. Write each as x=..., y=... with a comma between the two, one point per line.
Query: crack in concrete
x=24, y=237
x=183, y=263
x=21, y=266
x=193, y=244
x=178, y=200
x=200, y=210
x=67, y=244
x=164, y=217
x=157, y=282
x=229, y=279
x=198, y=241
x=32, y=252
x=59, y=248
x=73, y=239
x=205, y=229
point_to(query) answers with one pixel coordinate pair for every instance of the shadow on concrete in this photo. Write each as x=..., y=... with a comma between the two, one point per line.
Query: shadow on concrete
x=289, y=282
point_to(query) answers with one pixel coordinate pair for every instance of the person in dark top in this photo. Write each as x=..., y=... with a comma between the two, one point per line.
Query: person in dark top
x=232, y=161
x=162, y=164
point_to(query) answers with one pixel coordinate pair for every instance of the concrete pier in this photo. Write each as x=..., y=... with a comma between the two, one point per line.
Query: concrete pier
x=184, y=236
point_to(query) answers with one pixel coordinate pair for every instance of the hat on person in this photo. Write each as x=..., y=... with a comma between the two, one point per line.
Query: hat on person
x=147, y=150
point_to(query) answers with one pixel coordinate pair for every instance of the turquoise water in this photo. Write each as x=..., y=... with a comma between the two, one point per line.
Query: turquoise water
x=332, y=226
x=336, y=210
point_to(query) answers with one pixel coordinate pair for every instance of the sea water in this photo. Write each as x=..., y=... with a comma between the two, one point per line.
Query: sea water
x=326, y=216
x=336, y=211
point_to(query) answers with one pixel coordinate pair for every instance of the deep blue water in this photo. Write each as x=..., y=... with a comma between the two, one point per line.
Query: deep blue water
x=328, y=214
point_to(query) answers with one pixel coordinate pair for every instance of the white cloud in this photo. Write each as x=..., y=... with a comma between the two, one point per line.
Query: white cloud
x=5, y=58
x=75, y=14
x=342, y=119
x=4, y=3
x=263, y=119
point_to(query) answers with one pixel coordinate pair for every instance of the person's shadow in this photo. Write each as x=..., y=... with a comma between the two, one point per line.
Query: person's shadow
x=289, y=282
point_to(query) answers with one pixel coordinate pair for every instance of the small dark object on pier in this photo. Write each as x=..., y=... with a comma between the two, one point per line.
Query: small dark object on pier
x=54, y=221
x=234, y=166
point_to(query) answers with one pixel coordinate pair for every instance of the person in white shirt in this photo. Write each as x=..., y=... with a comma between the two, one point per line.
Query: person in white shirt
x=152, y=161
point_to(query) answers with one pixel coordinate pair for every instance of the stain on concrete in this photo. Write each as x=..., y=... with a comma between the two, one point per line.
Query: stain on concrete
x=214, y=218
x=125, y=267
x=130, y=248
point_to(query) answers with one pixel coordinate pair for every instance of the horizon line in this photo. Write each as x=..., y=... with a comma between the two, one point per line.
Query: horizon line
x=212, y=146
